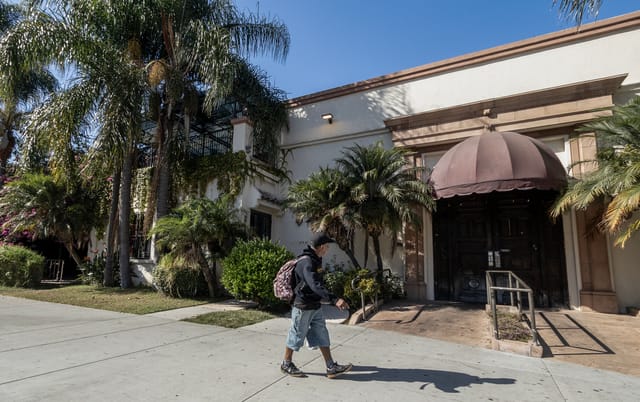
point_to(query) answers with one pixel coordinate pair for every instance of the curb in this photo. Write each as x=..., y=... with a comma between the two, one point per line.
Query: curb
x=528, y=349
x=357, y=317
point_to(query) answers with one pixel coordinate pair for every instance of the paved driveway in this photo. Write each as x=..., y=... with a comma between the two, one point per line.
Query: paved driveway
x=53, y=352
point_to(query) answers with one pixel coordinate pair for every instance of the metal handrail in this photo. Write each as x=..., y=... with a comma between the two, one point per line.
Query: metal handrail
x=519, y=288
x=356, y=280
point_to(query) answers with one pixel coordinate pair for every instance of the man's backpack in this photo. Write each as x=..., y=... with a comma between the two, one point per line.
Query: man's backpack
x=285, y=281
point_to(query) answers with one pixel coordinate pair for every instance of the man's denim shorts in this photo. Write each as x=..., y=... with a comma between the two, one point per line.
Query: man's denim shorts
x=308, y=324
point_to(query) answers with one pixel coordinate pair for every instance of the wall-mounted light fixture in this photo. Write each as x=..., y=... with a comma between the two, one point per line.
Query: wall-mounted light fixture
x=328, y=117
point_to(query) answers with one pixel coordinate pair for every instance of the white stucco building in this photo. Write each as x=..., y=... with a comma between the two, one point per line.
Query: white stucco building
x=542, y=88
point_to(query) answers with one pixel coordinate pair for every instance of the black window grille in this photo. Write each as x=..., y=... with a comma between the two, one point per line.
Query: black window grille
x=208, y=135
x=210, y=140
x=140, y=245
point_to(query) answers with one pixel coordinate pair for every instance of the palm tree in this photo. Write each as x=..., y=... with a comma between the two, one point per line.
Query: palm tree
x=197, y=226
x=49, y=209
x=25, y=90
x=204, y=45
x=14, y=106
x=385, y=191
x=185, y=46
x=616, y=179
x=99, y=112
x=323, y=200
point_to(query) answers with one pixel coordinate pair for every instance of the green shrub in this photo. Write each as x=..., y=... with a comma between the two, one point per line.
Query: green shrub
x=367, y=284
x=20, y=267
x=250, y=268
x=92, y=272
x=179, y=277
x=393, y=287
x=336, y=281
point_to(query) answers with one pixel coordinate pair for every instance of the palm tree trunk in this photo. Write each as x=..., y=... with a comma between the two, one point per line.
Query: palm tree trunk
x=376, y=248
x=111, y=229
x=352, y=257
x=72, y=252
x=349, y=252
x=366, y=249
x=345, y=245
x=164, y=152
x=125, y=210
x=210, y=277
x=162, y=206
x=8, y=142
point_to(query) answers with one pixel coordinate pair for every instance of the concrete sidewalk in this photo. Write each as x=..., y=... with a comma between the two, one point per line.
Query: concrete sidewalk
x=189, y=312
x=58, y=352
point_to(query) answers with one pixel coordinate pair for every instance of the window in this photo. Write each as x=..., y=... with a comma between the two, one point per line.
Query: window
x=140, y=245
x=260, y=224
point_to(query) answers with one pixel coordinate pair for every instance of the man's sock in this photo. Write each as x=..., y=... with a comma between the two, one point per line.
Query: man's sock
x=330, y=364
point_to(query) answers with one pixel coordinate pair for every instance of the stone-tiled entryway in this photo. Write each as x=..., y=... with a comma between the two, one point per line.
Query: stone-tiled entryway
x=605, y=341
x=454, y=322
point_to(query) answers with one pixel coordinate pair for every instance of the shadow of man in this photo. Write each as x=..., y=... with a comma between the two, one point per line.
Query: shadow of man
x=446, y=381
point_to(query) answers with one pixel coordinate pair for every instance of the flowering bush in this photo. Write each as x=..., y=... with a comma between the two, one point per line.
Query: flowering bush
x=11, y=237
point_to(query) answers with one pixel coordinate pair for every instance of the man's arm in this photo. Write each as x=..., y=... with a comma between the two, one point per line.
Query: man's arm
x=315, y=283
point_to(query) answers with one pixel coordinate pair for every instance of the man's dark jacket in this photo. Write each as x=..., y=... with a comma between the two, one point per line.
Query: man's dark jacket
x=310, y=289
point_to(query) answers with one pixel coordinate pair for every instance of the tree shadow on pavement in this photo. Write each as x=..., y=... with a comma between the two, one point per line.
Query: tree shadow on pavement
x=446, y=381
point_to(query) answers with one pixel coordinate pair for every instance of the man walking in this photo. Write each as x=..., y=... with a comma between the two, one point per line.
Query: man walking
x=307, y=320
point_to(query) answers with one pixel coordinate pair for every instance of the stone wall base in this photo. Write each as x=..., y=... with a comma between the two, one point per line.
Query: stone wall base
x=601, y=302
x=416, y=291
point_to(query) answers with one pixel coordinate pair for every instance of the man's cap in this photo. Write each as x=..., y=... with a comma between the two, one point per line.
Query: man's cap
x=321, y=238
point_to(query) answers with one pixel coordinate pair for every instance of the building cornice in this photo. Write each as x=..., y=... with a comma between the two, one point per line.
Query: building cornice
x=577, y=34
x=491, y=107
x=562, y=106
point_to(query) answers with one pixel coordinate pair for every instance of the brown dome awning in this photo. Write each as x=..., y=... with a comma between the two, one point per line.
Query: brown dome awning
x=497, y=161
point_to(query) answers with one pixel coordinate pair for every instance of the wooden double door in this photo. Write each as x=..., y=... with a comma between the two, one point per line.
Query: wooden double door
x=498, y=231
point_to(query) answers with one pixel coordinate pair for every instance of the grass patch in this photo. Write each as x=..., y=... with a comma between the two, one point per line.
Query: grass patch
x=134, y=301
x=511, y=328
x=232, y=319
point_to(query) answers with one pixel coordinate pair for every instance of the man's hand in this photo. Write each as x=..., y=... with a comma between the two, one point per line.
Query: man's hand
x=342, y=304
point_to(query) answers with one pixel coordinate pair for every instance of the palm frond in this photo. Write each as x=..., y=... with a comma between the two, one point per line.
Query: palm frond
x=626, y=234
x=617, y=174
x=621, y=207
x=577, y=10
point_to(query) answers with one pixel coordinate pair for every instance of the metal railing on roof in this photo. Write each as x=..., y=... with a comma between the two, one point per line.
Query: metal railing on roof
x=516, y=286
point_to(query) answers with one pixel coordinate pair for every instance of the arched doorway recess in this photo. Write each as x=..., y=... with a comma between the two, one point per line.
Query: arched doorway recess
x=494, y=192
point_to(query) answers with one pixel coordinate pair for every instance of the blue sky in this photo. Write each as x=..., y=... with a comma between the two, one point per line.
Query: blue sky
x=338, y=42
